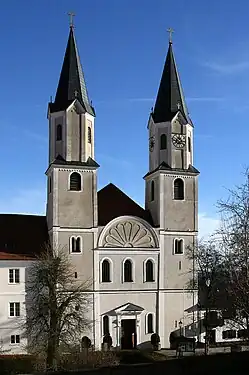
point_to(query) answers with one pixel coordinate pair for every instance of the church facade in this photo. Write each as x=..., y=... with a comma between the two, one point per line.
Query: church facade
x=136, y=257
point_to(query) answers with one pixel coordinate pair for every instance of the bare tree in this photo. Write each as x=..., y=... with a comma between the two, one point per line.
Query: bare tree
x=57, y=304
x=206, y=277
x=235, y=240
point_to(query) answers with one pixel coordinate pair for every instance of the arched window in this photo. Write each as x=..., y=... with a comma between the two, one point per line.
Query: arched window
x=49, y=184
x=75, y=244
x=149, y=271
x=105, y=325
x=106, y=277
x=89, y=134
x=178, y=246
x=75, y=181
x=128, y=271
x=178, y=189
x=150, y=328
x=152, y=190
x=59, y=132
x=163, y=142
x=189, y=144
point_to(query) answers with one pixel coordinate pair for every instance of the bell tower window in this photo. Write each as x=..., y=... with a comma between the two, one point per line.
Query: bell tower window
x=75, y=181
x=178, y=189
x=189, y=144
x=59, y=132
x=163, y=142
x=89, y=134
x=152, y=190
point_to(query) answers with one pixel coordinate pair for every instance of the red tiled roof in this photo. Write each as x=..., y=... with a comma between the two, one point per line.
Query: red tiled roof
x=9, y=256
x=112, y=203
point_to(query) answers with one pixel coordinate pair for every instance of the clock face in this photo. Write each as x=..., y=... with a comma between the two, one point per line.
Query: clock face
x=152, y=143
x=179, y=140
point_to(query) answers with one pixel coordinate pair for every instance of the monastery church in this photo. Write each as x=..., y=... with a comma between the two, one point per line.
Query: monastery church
x=135, y=257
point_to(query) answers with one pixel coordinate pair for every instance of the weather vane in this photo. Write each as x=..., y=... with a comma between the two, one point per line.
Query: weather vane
x=170, y=31
x=71, y=16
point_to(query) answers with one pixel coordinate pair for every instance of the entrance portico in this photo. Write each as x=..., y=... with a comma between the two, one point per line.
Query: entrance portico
x=125, y=325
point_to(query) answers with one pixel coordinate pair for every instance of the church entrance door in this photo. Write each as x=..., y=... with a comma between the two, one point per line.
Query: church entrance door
x=128, y=334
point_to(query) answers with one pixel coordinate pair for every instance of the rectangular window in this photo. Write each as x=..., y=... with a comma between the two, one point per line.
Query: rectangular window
x=229, y=334
x=189, y=144
x=15, y=339
x=14, y=308
x=14, y=276
x=180, y=265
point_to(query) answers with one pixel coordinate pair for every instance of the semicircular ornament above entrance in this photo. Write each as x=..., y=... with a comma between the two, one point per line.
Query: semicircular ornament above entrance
x=128, y=234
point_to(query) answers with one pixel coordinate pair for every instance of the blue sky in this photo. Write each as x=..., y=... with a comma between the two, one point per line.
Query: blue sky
x=123, y=44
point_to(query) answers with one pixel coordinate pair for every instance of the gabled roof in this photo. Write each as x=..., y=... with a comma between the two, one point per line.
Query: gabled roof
x=165, y=167
x=112, y=203
x=170, y=98
x=22, y=236
x=71, y=84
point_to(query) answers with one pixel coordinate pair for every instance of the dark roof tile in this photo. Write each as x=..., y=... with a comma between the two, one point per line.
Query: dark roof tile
x=22, y=235
x=112, y=203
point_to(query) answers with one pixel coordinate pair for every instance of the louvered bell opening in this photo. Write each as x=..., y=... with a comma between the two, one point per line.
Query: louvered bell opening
x=75, y=181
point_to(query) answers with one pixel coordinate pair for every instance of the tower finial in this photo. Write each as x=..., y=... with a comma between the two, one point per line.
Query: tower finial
x=71, y=16
x=170, y=31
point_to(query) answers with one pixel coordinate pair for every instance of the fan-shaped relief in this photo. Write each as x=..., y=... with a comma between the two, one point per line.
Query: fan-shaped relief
x=128, y=234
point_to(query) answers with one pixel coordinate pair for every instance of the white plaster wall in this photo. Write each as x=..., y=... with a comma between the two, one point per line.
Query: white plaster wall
x=12, y=293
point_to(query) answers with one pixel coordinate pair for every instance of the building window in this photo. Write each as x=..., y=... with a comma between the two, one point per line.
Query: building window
x=106, y=277
x=152, y=190
x=180, y=265
x=128, y=271
x=59, y=132
x=150, y=328
x=149, y=271
x=178, y=189
x=178, y=246
x=49, y=184
x=89, y=134
x=189, y=144
x=14, y=276
x=229, y=334
x=76, y=244
x=105, y=325
x=14, y=308
x=75, y=181
x=15, y=339
x=75, y=275
x=163, y=142
x=242, y=334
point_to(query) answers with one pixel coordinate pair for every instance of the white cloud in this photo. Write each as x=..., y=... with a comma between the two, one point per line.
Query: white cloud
x=227, y=68
x=207, y=225
x=205, y=99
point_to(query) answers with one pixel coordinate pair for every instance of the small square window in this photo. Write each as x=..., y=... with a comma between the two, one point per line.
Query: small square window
x=14, y=308
x=15, y=339
x=14, y=276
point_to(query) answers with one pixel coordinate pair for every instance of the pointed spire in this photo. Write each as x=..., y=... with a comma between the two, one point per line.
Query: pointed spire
x=170, y=98
x=72, y=83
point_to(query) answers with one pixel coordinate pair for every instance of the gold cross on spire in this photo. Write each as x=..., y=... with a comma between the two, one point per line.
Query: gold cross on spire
x=170, y=31
x=71, y=16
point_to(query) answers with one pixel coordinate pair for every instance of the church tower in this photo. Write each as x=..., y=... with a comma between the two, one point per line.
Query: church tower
x=171, y=197
x=71, y=175
x=171, y=183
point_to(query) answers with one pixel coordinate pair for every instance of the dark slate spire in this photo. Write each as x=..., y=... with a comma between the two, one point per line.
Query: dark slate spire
x=170, y=98
x=72, y=83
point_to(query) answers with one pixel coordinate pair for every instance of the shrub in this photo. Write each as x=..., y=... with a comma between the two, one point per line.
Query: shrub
x=93, y=359
x=16, y=364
